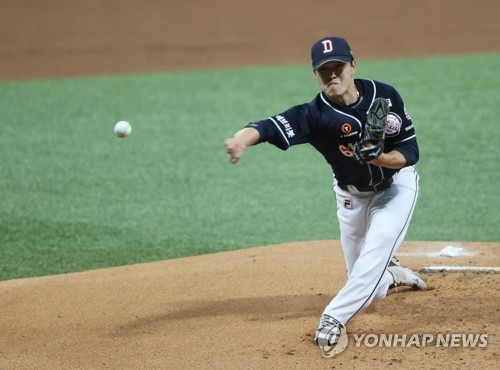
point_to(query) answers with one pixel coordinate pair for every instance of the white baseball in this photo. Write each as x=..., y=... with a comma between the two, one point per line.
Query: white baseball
x=123, y=129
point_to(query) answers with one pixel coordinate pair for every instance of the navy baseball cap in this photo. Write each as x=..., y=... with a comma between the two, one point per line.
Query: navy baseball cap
x=328, y=49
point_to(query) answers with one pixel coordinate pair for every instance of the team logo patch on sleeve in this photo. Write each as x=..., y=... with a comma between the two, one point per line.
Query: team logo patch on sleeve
x=393, y=126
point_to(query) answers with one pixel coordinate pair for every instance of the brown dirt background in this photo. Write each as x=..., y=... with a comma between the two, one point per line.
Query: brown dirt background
x=252, y=308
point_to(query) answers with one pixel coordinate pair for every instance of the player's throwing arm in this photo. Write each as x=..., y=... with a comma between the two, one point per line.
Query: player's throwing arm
x=237, y=145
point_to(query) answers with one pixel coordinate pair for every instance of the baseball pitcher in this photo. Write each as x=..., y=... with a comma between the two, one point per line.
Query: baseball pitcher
x=362, y=129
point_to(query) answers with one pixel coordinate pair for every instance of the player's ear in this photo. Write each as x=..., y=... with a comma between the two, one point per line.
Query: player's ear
x=353, y=66
x=316, y=75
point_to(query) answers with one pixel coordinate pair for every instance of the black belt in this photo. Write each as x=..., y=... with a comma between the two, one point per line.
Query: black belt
x=379, y=186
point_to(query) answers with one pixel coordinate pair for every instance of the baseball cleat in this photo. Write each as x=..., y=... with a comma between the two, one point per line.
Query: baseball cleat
x=394, y=262
x=328, y=332
x=405, y=276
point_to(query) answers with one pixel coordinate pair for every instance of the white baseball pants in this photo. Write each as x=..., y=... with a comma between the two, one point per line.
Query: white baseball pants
x=372, y=227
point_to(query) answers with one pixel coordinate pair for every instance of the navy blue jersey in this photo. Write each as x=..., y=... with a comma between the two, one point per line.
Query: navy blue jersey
x=326, y=126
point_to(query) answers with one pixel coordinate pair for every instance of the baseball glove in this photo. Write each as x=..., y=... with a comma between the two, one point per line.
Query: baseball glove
x=374, y=133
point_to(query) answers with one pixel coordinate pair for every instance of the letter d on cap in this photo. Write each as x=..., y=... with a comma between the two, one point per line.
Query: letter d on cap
x=327, y=46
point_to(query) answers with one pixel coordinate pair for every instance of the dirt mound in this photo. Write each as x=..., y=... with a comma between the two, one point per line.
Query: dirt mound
x=255, y=308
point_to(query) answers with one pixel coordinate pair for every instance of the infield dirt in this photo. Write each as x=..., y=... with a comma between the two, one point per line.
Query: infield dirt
x=252, y=308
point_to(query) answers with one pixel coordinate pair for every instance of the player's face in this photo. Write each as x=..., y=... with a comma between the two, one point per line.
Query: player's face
x=336, y=79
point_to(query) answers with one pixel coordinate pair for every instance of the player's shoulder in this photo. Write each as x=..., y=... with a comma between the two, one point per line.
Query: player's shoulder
x=377, y=87
x=318, y=104
x=372, y=89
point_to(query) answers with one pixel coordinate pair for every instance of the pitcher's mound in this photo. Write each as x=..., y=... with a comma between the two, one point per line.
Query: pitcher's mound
x=251, y=308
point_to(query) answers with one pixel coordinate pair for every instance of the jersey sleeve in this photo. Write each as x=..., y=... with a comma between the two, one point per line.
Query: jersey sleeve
x=400, y=132
x=291, y=127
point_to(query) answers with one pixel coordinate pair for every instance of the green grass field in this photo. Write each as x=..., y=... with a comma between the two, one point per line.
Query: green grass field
x=75, y=197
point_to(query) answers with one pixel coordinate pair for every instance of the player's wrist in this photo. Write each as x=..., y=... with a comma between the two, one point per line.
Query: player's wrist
x=394, y=160
x=246, y=137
